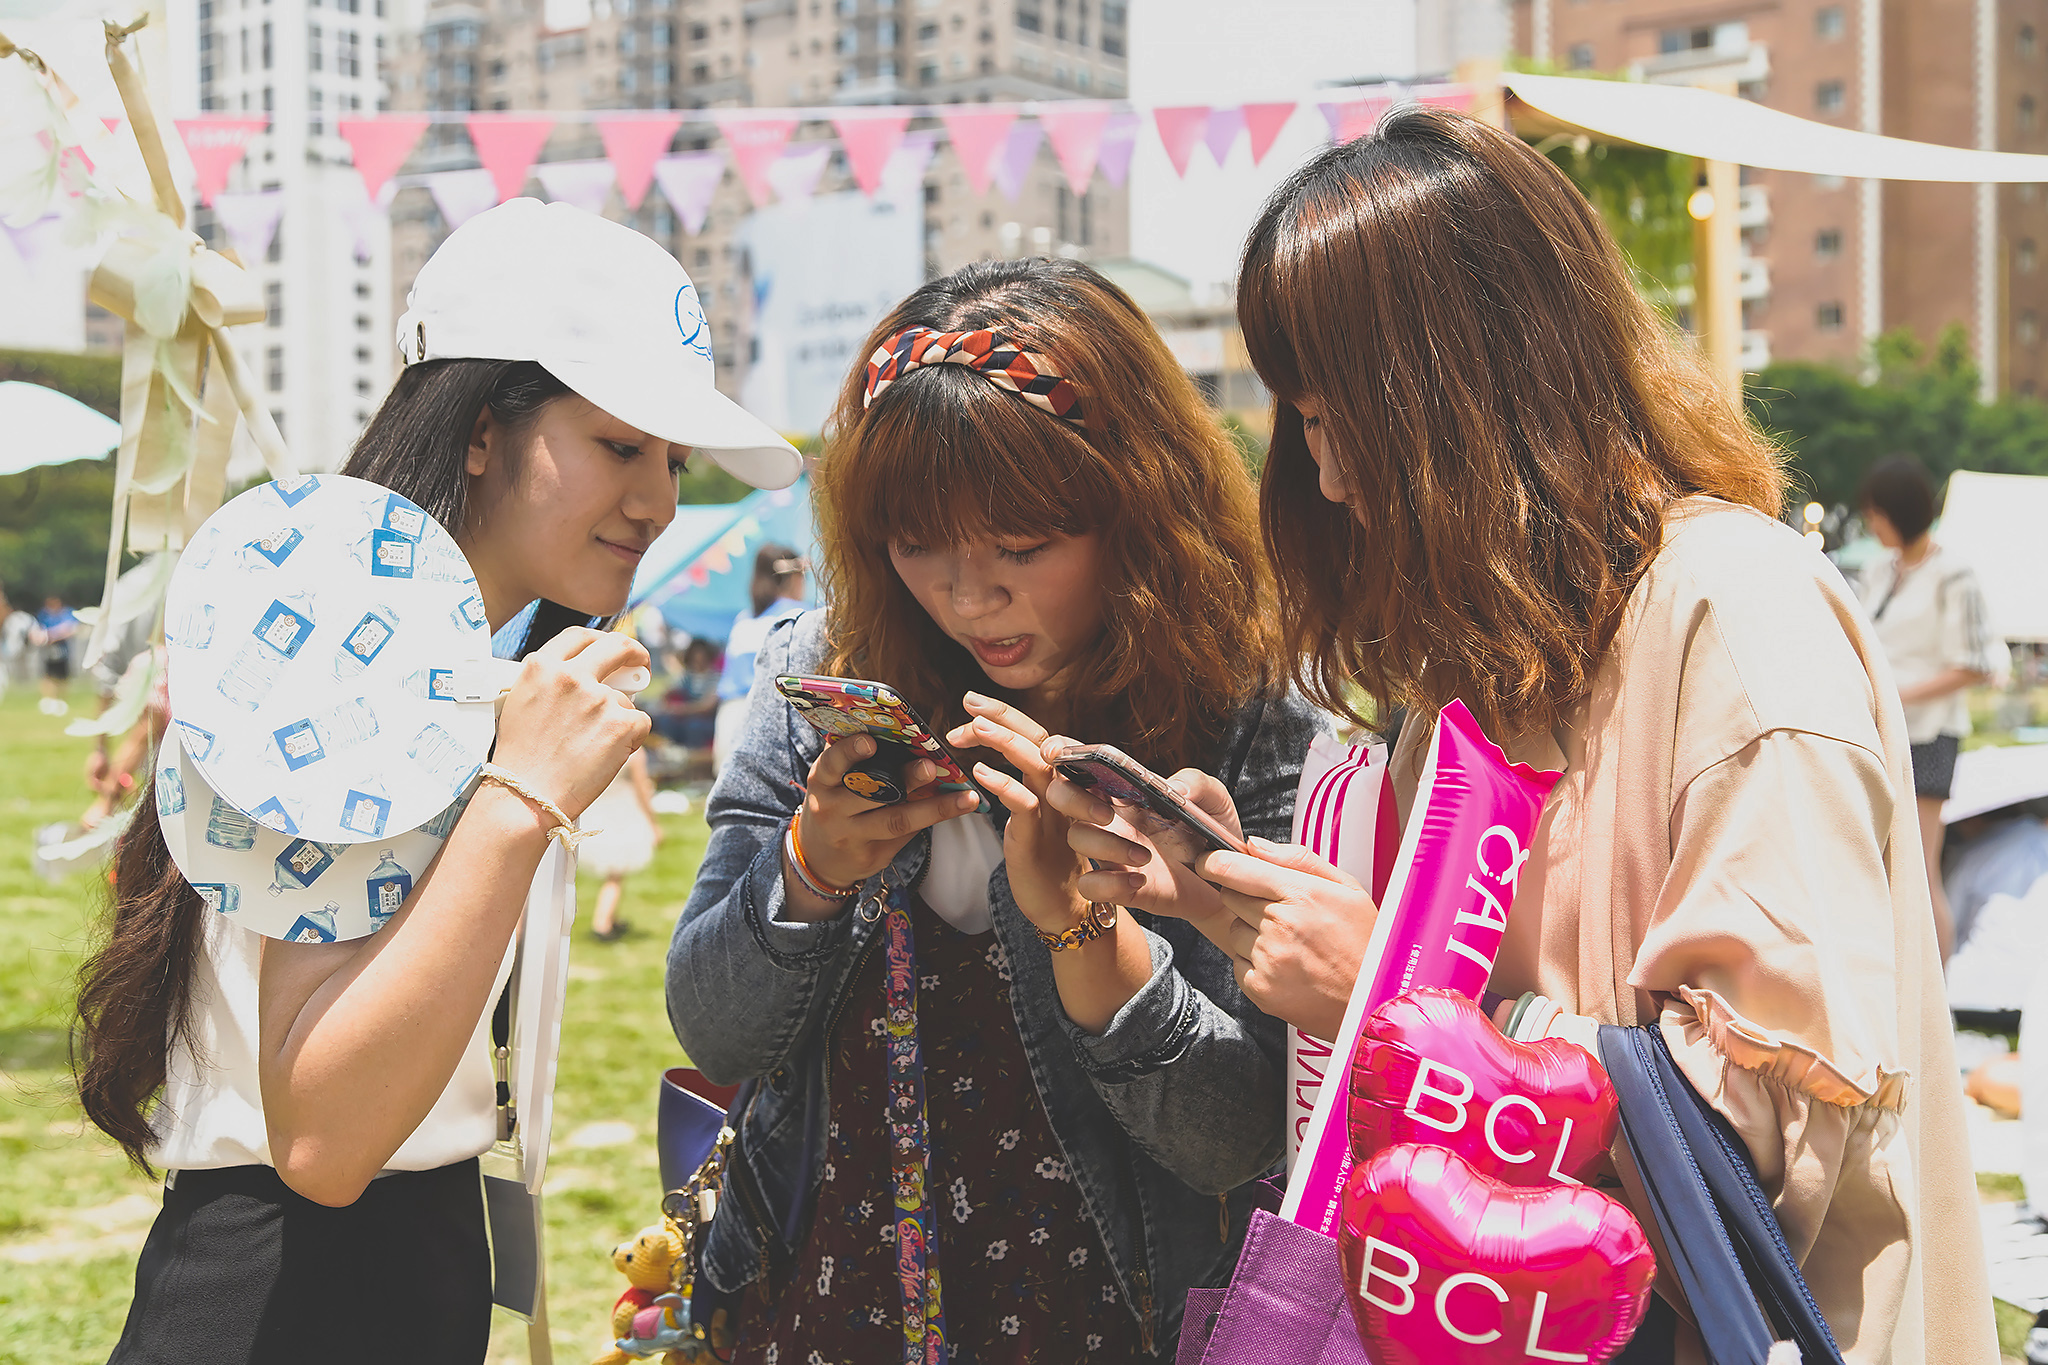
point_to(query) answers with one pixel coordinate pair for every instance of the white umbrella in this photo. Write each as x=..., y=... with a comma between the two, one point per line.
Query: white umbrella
x=40, y=426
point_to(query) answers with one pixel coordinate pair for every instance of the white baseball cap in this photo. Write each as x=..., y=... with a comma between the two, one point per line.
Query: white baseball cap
x=603, y=309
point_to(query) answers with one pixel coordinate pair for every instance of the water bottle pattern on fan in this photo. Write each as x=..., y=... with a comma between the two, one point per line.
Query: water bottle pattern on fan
x=270, y=551
x=365, y=812
x=170, y=793
x=335, y=730
x=292, y=492
x=364, y=642
x=276, y=640
x=315, y=926
x=431, y=684
x=442, y=755
x=192, y=627
x=222, y=897
x=388, y=887
x=227, y=827
x=301, y=864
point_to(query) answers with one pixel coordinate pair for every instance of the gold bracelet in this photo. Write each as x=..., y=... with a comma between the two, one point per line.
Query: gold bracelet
x=1098, y=919
x=566, y=832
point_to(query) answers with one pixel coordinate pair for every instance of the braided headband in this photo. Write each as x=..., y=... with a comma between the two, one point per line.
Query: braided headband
x=989, y=354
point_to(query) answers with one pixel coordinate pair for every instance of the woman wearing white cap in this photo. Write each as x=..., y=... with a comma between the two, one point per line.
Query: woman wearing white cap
x=320, y=1107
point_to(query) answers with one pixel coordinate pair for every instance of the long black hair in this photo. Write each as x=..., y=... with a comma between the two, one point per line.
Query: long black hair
x=135, y=991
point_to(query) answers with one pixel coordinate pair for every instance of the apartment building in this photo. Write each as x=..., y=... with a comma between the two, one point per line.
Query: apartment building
x=770, y=54
x=322, y=353
x=1830, y=263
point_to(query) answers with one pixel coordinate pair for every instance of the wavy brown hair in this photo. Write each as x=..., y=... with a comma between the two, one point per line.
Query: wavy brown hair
x=1510, y=417
x=944, y=457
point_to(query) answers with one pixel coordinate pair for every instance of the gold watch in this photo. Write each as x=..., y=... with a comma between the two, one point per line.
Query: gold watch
x=1098, y=919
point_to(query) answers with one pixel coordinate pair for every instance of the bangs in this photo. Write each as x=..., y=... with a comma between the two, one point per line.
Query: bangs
x=945, y=457
x=1267, y=340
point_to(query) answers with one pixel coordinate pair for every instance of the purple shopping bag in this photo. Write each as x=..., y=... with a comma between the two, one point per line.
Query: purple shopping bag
x=1285, y=1302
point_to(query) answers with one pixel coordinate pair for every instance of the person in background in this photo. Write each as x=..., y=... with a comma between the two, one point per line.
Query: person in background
x=55, y=625
x=625, y=835
x=689, y=710
x=777, y=593
x=16, y=628
x=1931, y=620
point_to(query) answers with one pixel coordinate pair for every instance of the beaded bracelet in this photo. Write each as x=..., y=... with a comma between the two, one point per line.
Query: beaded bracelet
x=1098, y=919
x=816, y=885
x=566, y=831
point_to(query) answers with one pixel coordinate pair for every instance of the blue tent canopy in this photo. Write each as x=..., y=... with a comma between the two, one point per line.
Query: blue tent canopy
x=697, y=573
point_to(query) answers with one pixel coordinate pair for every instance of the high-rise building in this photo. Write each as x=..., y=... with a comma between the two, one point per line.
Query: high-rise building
x=1831, y=263
x=322, y=353
x=772, y=54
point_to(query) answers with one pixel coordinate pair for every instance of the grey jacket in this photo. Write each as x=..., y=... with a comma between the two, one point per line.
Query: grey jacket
x=1165, y=1118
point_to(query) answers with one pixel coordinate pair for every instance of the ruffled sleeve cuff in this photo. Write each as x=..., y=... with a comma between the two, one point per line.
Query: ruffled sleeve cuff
x=1786, y=1061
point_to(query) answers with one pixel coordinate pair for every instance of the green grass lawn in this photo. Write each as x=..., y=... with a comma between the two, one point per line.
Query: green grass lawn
x=73, y=1213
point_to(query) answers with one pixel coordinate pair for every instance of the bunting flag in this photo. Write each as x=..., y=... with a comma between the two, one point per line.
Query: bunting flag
x=508, y=147
x=250, y=220
x=756, y=144
x=1180, y=128
x=688, y=181
x=1353, y=119
x=1119, y=140
x=360, y=215
x=461, y=195
x=795, y=173
x=586, y=184
x=1013, y=162
x=870, y=140
x=1224, y=126
x=903, y=177
x=1458, y=97
x=216, y=142
x=634, y=145
x=1074, y=128
x=1264, y=122
x=977, y=136
x=381, y=145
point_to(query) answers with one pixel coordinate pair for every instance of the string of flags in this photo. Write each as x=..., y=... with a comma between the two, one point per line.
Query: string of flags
x=996, y=144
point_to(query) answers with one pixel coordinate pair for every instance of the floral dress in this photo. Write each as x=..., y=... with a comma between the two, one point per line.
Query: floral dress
x=1025, y=1277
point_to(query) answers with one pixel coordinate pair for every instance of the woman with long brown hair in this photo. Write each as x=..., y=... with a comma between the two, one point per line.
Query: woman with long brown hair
x=1495, y=478
x=983, y=1114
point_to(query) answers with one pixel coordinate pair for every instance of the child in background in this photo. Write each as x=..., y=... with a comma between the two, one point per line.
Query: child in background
x=626, y=835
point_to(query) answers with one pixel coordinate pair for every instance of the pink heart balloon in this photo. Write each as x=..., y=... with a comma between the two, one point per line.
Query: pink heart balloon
x=1445, y=1266
x=1432, y=1068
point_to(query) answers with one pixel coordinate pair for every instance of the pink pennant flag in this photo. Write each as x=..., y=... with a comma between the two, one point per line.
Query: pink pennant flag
x=1224, y=126
x=1180, y=128
x=756, y=143
x=870, y=139
x=1013, y=162
x=1264, y=122
x=1119, y=140
x=795, y=173
x=1075, y=130
x=977, y=135
x=903, y=177
x=586, y=184
x=250, y=220
x=216, y=142
x=1353, y=119
x=508, y=147
x=113, y=124
x=634, y=145
x=688, y=180
x=461, y=195
x=1458, y=97
x=381, y=145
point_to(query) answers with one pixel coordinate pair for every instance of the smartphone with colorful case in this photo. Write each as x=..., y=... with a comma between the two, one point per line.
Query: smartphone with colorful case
x=850, y=706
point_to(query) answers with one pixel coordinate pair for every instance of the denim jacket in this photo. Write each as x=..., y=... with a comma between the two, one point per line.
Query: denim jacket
x=1165, y=1118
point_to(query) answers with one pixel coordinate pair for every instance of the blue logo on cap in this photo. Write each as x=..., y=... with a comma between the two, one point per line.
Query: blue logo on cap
x=690, y=321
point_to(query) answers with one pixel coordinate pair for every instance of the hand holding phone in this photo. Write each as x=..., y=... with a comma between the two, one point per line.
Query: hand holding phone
x=1180, y=827
x=842, y=707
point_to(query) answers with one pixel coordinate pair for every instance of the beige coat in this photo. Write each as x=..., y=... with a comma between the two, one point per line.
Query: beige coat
x=1733, y=852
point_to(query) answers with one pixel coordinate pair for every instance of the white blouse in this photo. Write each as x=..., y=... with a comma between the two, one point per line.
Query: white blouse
x=1930, y=617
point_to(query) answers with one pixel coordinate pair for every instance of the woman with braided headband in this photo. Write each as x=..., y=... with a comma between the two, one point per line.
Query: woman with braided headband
x=986, y=1118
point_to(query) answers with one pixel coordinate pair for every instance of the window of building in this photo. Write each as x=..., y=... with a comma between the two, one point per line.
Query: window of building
x=1827, y=244
x=2025, y=257
x=273, y=369
x=1673, y=40
x=277, y=418
x=362, y=322
x=1828, y=22
x=928, y=73
x=2029, y=114
x=1828, y=97
x=363, y=387
x=927, y=34
x=2029, y=329
x=2026, y=43
x=1030, y=17
x=348, y=54
x=266, y=56
x=659, y=34
x=313, y=47
x=1828, y=317
x=273, y=304
x=1580, y=58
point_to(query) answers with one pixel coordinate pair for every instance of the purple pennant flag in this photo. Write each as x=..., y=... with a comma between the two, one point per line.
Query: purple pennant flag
x=795, y=173
x=1224, y=126
x=1119, y=139
x=1020, y=149
x=903, y=176
x=462, y=195
x=586, y=184
x=688, y=180
x=359, y=214
x=34, y=239
x=250, y=220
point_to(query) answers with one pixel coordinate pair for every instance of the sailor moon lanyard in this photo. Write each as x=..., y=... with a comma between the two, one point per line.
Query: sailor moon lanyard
x=917, y=1261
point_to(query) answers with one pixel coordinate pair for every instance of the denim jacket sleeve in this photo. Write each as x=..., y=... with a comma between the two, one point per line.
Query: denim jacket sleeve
x=743, y=982
x=1191, y=1069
